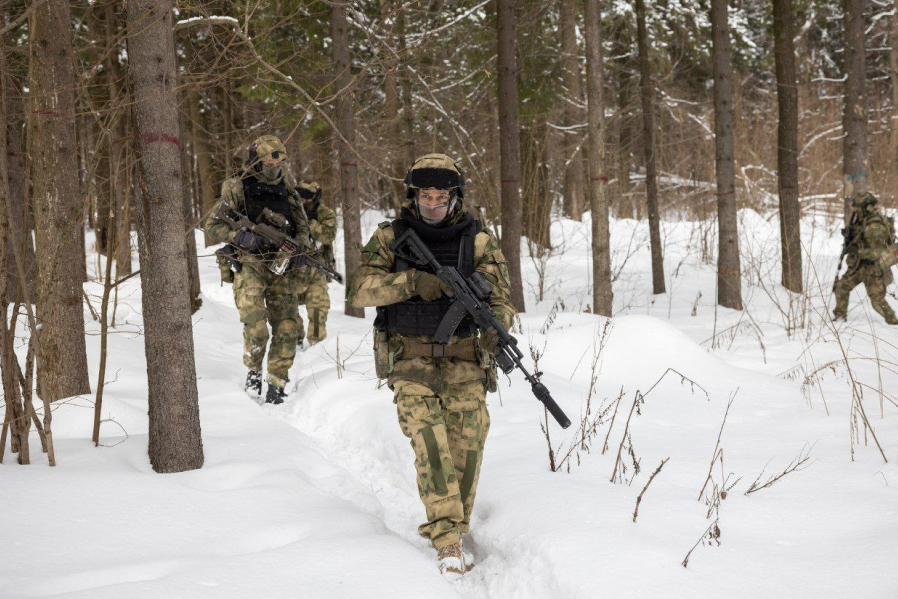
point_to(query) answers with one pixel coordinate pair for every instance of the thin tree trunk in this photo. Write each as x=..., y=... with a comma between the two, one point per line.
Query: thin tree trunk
x=349, y=171
x=787, y=152
x=893, y=123
x=62, y=358
x=19, y=237
x=408, y=110
x=118, y=148
x=15, y=419
x=510, y=148
x=729, y=283
x=573, y=202
x=602, y=294
x=394, y=158
x=175, y=442
x=205, y=172
x=648, y=144
x=854, y=110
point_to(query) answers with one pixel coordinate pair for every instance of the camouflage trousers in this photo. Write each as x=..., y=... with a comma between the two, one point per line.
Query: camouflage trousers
x=317, y=301
x=874, y=280
x=263, y=299
x=448, y=430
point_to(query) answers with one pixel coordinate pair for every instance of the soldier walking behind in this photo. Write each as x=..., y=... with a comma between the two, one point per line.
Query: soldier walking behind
x=870, y=252
x=323, y=226
x=264, y=296
x=439, y=389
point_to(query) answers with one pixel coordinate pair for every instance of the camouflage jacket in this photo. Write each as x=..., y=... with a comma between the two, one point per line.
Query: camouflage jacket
x=232, y=197
x=374, y=284
x=323, y=226
x=873, y=240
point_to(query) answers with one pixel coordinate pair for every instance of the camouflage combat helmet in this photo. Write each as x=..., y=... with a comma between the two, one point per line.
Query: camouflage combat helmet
x=267, y=147
x=862, y=200
x=309, y=190
x=436, y=171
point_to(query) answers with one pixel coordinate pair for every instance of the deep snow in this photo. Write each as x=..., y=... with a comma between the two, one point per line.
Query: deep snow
x=316, y=498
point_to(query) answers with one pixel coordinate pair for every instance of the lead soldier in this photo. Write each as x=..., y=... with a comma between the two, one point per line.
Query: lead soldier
x=439, y=390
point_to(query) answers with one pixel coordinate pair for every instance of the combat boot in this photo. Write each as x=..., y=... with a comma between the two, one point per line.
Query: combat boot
x=275, y=395
x=452, y=561
x=253, y=385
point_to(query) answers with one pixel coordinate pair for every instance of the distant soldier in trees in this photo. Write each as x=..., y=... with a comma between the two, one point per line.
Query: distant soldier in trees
x=323, y=226
x=440, y=389
x=263, y=295
x=870, y=252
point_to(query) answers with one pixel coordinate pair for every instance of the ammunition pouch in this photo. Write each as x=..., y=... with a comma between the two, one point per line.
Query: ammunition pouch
x=487, y=362
x=385, y=354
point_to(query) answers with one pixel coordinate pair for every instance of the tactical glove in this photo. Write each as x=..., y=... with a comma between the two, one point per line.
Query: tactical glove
x=489, y=341
x=428, y=286
x=249, y=241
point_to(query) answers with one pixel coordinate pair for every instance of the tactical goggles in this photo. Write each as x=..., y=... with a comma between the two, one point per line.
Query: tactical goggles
x=435, y=178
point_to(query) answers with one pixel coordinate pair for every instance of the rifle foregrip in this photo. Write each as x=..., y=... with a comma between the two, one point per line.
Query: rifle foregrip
x=542, y=394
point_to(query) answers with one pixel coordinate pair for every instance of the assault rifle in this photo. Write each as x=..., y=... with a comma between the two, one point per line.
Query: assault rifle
x=278, y=239
x=848, y=234
x=471, y=297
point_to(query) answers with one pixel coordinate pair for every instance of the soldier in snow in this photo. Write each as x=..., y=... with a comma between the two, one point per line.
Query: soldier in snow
x=870, y=254
x=439, y=389
x=323, y=226
x=264, y=293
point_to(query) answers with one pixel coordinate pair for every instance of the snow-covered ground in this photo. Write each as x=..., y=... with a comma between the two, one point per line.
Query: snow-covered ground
x=316, y=498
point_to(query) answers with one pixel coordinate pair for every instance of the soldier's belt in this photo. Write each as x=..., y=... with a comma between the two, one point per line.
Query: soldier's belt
x=464, y=349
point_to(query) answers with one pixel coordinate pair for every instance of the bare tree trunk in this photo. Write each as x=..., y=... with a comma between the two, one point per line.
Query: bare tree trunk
x=648, y=144
x=729, y=282
x=602, y=294
x=15, y=419
x=510, y=148
x=408, y=110
x=893, y=123
x=574, y=199
x=190, y=225
x=854, y=110
x=203, y=157
x=349, y=171
x=787, y=153
x=62, y=359
x=175, y=442
x=118, y=148
x=19, y=216
x=395, y=164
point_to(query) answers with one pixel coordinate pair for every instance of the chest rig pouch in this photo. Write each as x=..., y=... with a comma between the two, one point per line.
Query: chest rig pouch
x=258, y=196
x=416, y=316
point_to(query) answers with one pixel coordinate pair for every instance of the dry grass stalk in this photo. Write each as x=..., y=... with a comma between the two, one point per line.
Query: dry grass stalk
x=646, y=487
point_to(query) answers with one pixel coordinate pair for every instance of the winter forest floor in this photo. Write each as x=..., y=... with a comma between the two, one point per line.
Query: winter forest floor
x=316, y=498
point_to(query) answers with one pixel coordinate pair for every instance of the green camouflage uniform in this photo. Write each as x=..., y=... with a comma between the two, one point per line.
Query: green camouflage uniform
x=870, y=257
x=323, y=226
x=262, y=297
x=441, y=402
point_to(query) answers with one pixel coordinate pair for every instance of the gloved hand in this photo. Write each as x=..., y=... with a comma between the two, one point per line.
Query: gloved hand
x=489, y=341
x=428, y=286
x=249, y=241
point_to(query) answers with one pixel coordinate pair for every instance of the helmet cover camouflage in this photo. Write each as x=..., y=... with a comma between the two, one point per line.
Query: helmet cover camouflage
x=309, y=190
x=268, y=147
x=862, y=200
